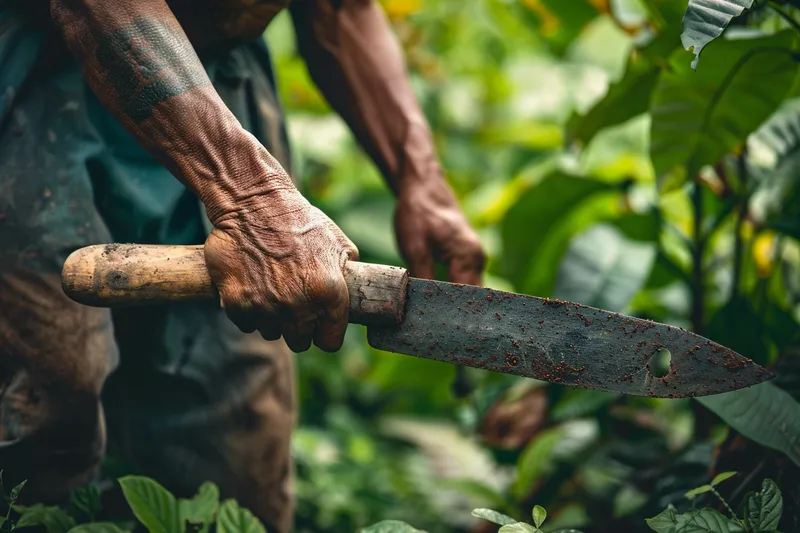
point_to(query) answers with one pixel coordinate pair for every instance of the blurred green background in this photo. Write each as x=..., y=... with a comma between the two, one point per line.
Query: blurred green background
x=568, y=130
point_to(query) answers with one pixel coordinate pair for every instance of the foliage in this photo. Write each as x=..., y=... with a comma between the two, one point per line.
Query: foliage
x=599, y=166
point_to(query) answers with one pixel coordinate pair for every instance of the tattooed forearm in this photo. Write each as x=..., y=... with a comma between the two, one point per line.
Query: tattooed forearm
x=147, y=62
x=143, y=68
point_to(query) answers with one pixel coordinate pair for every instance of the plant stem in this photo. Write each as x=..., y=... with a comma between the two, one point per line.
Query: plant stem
x=725, y=503
x=786, y=16
x=698, y=250
x=738, y=250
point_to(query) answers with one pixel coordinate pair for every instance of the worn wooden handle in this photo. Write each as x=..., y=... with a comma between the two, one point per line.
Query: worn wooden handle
x=112, y=275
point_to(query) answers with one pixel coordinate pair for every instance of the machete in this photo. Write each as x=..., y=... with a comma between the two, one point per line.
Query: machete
x=546, y=339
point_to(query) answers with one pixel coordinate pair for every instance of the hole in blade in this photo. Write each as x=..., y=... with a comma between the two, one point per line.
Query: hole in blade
x=659, y=363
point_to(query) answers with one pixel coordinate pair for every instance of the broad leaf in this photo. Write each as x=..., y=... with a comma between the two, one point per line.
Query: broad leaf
x=763, y=413
x=51, y=518
x=153, y=505
x=493, y=516
x=602, y=268
x=390, y=526
x=707, y=521
x=235, y=519
x=664, y=522
x=762, y=510
x=97, y=527
x=535, y=217
x=201, y=508
x=535, y=461
x=579, y=402
x=539, y=515
x=86, y=500
x=719, y=478
x=518, y=527
x=705, y=20
x=697, y=117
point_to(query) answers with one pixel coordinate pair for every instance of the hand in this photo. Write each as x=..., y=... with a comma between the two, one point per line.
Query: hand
x=278, y=265
x=431, y=227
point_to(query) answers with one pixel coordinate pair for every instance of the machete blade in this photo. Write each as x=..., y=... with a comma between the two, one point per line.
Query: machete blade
x=560, y=342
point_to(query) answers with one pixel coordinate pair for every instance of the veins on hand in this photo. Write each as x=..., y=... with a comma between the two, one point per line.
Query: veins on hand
x=147, y=62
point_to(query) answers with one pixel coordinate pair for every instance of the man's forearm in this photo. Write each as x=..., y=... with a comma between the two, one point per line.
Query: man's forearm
x=144, y=70
x=355, y=60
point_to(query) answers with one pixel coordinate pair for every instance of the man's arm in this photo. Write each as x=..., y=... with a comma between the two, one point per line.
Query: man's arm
x=276, y=261
x=355, y=60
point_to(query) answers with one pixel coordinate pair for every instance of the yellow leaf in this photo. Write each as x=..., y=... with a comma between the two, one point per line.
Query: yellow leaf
x=400, y=9
x=763, y=247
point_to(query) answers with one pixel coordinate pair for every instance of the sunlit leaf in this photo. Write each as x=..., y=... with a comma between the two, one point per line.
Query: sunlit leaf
x=518, y=527
x=664, y=522
x=699, y=490
x=202, y=508
x=697, y=117
x=235, y=519
x=493, y=516
x=763, y=413
x=153, y=505
x=539, y=515
x=719, y=478
x=706, y=521
x=762, y=510
x=706, y=19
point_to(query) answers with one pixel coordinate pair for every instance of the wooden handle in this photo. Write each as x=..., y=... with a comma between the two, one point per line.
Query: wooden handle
x=111, y=275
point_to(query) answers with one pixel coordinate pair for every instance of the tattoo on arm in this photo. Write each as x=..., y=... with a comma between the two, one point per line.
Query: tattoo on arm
x=147, y=62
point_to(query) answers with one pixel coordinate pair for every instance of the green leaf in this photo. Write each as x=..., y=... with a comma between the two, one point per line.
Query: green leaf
x=153, y=505
x=539, y=515
x=536, y=215
x=762, y=413
x=719, y=478
x=664, y=522
x=518, y=527
x=86, y=499
x=762, y=510
x=699, y=490
x=493, y=516
x=201, y=508
x=706, y=19
x=235, y=519
x=535, y=461
x=697, y=117
x=706, y=521
x=52, y=518
x=16, y=490
x=97, y=527
x=579, y=402
x=602, y=268
x=390, y=526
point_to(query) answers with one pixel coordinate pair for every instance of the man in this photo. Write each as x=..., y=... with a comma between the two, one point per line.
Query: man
x=90, y=146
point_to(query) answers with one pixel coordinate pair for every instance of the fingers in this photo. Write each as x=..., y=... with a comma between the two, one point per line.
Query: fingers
x=332, y=323
x=419, y=257
x=467, y=266
x=299, y=333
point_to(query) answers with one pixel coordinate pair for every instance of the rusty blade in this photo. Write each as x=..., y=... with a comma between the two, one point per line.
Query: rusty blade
x=560, y=342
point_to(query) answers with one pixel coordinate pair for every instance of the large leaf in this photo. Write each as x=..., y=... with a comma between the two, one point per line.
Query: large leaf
x=153, y=505
x=705, y=20
x=697, y=117
x=51, y=518
x=235, y=519
x=535, y=461
x=664, y=522
x=536, y=215
x=493, y=516
x=604, y=269
x=707, y=521
x=763, y=413
x=762, y=510
x=202, y=508
x=390, y=526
